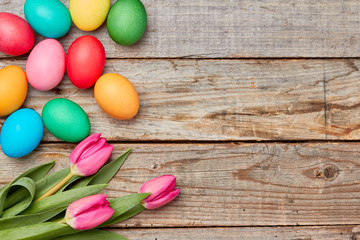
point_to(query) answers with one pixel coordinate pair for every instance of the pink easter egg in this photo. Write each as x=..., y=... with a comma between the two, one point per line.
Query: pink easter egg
x=45, y=66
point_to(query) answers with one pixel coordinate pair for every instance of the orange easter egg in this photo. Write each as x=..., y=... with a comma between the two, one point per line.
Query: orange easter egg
x=116, y=96
x=13, y=89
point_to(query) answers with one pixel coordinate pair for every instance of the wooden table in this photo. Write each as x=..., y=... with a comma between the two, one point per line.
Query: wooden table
x=254, y=105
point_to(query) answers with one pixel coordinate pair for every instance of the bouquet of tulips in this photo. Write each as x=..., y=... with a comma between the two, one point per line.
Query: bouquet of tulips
x=67, y=204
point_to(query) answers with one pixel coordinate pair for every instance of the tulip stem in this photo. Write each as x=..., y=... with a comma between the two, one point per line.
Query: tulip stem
x=56, y=188
x=61, y=220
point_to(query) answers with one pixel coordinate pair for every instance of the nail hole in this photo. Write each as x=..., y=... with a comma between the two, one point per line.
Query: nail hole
x=58, y=91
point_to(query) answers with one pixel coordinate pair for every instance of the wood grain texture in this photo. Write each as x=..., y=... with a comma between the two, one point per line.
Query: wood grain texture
x=235, y=29
x=235, y=233
x=263, y=184
x=210, y=99
x=342, y=103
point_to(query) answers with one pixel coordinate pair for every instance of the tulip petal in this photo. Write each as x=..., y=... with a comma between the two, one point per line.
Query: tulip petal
x=92, y=218
x=88, y=212
x=166, y=192
x=157, y=186
x=91, y=164
x=94, y=148
x=84, y=144
x=162, y=201
x=85, y=203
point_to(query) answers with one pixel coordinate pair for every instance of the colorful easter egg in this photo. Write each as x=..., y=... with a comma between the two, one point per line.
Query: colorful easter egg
x=116, y=96
x=126, y=22
x=66, y=120
x=21, y=133
x=16, y=35
x=13, y=89
x=85, y=61
x=49, y=18
x=88, y=15
x=45, y=66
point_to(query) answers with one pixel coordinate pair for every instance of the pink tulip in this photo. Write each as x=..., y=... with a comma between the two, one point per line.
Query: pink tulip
x=161, y=189
x=90, y=155
x=88, y=212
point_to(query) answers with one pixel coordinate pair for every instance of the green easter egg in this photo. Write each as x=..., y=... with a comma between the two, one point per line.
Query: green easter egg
x=66, y=120
x=126, y=22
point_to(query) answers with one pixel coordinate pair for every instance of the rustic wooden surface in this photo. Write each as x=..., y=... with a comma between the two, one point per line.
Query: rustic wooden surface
x=253, y=105
x=254, y=233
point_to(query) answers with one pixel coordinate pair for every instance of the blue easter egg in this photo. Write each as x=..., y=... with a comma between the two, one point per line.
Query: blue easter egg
x=21, y=133
x=49, y=18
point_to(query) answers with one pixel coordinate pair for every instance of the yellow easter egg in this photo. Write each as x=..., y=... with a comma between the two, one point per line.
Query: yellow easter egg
x=116, y=96
x=13, y=89
x=88, y=15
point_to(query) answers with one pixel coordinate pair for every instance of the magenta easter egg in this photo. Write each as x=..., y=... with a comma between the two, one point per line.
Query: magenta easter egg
x=16, y=35
x=45, y=66
x=85, y=61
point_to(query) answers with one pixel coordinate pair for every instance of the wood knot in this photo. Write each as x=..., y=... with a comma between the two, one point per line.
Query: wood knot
x=329, y=172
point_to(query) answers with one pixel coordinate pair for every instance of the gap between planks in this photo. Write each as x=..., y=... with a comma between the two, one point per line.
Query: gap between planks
x=215, y=142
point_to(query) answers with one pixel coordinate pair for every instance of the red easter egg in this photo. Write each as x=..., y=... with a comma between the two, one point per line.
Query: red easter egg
x=16, y=35
x=85, y=61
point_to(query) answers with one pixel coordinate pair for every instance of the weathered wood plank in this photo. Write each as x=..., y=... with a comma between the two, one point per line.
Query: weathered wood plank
x=210, y=99
x=232, y=184
x=232, y=29
x=235, y=233
x=342, y=103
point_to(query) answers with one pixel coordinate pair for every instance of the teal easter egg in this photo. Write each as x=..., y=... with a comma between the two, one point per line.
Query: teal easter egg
x=126, y=22
x=21, y=133
x=66, y=120
x=49, y=18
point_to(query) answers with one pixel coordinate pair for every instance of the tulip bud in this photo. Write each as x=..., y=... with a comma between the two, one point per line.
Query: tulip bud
x=161, y=189
x=88, y=212
x=90, y=155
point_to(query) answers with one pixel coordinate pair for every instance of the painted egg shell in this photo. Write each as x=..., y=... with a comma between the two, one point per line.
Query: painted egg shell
x=49, y=18
x=45, y=66
x=13, y=89
x=85, y=61
x=126, y=22
x=88, y=15
x=21, y=133
x=116, y=96
x=66, y=120
x=16, y=35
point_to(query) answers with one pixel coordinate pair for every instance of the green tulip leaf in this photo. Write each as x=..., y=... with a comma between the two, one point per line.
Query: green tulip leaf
x=35, y=174
x=92, y=235
x=126, y=215
x=105, y=174
x=29, y=185
x=42, y=186
x=45, y=184
x=124, y=204
x=41, y=231
x=30, y=219
x=63, y=199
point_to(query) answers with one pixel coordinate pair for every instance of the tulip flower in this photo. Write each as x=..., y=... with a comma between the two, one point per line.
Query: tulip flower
x=88, y=212
x=85, y=160
x=90, y=155
x=161, y=189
